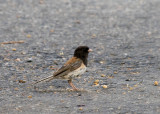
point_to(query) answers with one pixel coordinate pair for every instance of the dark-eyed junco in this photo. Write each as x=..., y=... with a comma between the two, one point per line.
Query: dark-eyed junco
x=74, y=67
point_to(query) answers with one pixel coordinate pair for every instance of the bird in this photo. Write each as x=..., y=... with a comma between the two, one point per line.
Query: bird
x=73, y=68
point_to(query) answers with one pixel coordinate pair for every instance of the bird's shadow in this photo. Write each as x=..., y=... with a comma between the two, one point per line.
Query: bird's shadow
x=43, y=90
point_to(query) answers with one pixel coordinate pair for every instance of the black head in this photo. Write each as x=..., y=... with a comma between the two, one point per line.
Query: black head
x=82, y=53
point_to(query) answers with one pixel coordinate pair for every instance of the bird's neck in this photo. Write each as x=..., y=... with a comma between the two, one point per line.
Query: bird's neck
x=83, y=58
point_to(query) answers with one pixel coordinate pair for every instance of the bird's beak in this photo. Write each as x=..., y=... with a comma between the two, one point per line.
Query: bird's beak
x=90, y=50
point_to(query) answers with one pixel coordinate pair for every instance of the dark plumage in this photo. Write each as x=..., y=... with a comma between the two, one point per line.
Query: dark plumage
x=82, y=53
x=72, y=68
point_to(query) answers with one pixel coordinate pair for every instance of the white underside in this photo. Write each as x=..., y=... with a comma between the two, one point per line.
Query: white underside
x=76, y=73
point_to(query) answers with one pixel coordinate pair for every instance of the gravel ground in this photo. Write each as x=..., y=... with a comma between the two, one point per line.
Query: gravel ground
x=125, y=37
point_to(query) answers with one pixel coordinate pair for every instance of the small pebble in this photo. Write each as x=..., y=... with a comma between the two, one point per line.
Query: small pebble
x=29, y=60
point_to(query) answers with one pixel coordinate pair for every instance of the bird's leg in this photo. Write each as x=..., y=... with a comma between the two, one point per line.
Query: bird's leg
x=72, y=85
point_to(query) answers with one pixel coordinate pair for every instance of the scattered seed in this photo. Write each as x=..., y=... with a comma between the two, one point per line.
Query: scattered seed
x=96, y=84
x=93, y=35
x=156, y=83
x=96, y=81
x=135, y=85
x=14, y=49
x=28, y=36
x=103, y=75
x=16, y=89
x=28, y=87
x=134, y=73
x=110, y=77
x=52, y=30
x=51, y=87
x=104, y=86
x=22, y=81
x=101, y=62
x=115, y=72
x=61, y=53
x=30, y=96
x=23, y=53
x=130, y=88
x=18, y=59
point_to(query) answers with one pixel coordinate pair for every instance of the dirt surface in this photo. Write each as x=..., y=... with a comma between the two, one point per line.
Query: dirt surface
x=125, y=37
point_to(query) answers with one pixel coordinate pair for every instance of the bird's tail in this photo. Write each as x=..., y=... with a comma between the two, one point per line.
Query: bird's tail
x=43, y=80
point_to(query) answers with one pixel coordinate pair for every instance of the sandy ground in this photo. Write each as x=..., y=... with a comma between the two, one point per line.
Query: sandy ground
x=125, y=37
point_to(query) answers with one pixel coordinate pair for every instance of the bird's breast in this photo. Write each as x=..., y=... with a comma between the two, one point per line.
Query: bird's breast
x=77, y=72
